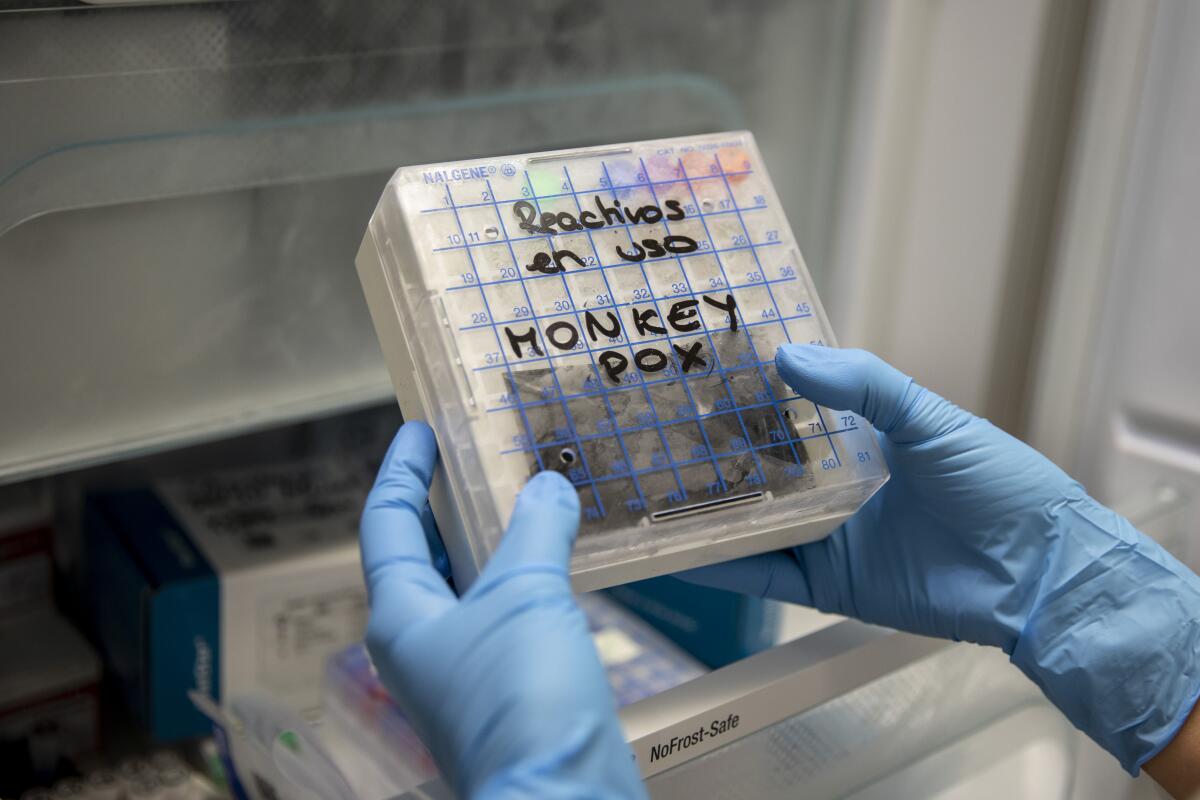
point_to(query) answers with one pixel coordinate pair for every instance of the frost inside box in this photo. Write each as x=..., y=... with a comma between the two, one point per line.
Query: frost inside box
x=612, y=313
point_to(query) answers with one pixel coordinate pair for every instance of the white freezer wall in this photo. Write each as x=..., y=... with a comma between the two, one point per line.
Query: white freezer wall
x=1117, y=391
x=949, y=184
x=1017, y=228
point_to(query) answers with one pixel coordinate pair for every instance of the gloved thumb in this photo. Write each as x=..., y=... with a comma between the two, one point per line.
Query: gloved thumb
x=858, y=381
x=542, y=529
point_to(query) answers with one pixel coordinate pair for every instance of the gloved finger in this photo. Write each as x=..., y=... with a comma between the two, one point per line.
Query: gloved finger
x=541, y=531
x=400, y=576
x=774, y=575
x=858, y=381
x=433, y=539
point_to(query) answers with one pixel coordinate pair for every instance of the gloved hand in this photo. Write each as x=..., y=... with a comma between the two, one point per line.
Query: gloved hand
x=978, y=537
x=503, y=685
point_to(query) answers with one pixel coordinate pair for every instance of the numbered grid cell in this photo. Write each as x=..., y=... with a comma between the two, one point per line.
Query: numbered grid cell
x=767, y=426
x=549, y=297
x=696, y=161
x=802, y=416
x=567, y=459
x=531, y=384
x=465, y=309
x=557, y=210
x=602, y=329
x=534, y=256
x=746, y=387
x=693, y=355
x=562, y=337
x=654, y=360
x=525, y=248
x=512, y=214
x=623, y=175
x=781, y=467
x=745, y=185
x=492, y=388
x=605, y=243
x=467, y=193
x=627, y=284
x=621, y=501
x=824, y=460
x=646, y=449
x=712, y=197
x=749, y=195
x=631, y=409
x=755, y=304
x=778, y=264
x=605, y=457
x=767, y=338
x=480, y=225
x=734, y=161
x=506, y=186
x=709, y=394
x=591, y=509
x=643, y=322
x=585, y=175
x=725, y=231
x=574, y=374
x=704, y=273
x=573, y=252
x=662, y=489
x=545, y=181
x=588, y=290
x=480, y=348
x=661, y=167
x=671, y=402
x=639, y=205
x=591, y=415
x=452, y=269
x=547, y=420
x=806, y=330
x=666, y=173
x=701, y=480
x=494, y=262
x=762, y=228
x=509, y=304
x=780, y=391
x=725, y=433
x=690, y=207
x=841, y=422
x=685, y=442
x=741, y=473
x=667, y=282
x=858, y=446
x=733, y=350
x=741, y=267
x=691, y=227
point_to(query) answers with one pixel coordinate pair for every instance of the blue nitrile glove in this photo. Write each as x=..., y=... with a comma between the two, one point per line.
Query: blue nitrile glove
x=503, y=685
x=978, y=537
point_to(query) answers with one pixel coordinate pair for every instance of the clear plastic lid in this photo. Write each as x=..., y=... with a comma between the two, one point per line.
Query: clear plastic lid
x=613, y=314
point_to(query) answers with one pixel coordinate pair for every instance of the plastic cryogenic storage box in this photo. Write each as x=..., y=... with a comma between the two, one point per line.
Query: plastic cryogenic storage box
x=612, y=313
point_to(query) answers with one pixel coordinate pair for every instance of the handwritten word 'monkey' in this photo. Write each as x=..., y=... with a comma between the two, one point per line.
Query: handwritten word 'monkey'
x=682, y=317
